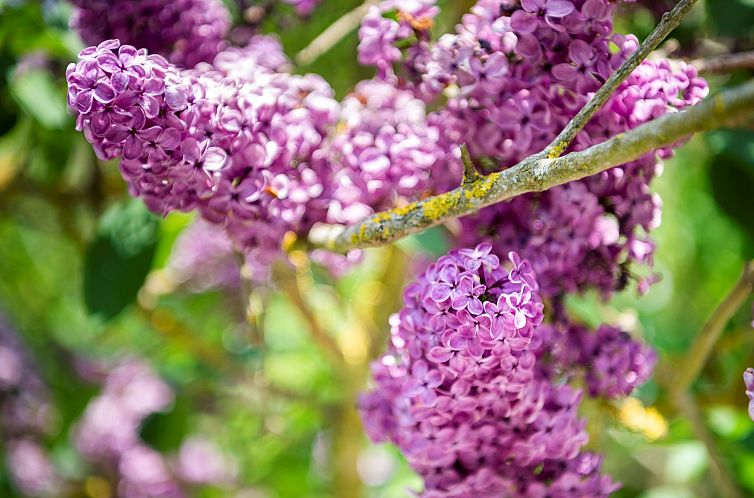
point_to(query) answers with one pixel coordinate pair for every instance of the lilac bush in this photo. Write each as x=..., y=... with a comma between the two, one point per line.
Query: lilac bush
x=481, y=385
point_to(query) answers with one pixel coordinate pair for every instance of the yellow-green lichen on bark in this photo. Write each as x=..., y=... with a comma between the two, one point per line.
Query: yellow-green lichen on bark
x=439, y=207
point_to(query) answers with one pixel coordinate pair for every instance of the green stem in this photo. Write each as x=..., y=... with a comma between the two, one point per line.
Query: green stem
x=690, y=369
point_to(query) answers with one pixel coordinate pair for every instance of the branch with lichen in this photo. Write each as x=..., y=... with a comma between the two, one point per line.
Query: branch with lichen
x=538, y=173
x=477, y=191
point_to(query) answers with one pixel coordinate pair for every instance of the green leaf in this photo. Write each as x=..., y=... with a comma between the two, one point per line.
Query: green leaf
x=731, y=175
x=164, y=431
x=35, y=92
x=734, y=19
x=119, y=259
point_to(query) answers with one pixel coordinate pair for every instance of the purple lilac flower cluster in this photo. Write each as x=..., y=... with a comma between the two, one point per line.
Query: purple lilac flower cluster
x=463, y=392
x=613, y=363
x=108, y=436
x=203, y=257
x=254, y=149
x=27, y=417
x=383, y=150
x=185, y=31
x=239, y=144
x=393, y=23
x=552, y=55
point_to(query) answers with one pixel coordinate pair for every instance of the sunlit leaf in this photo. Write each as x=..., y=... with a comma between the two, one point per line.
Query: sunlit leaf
x=119, y=259
x=36, y=93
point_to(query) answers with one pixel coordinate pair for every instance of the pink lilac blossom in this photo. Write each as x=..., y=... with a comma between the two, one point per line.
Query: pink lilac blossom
x=391, y=24
x=203, y=258
x=256, y=151
x=613, y=364
x=185, y=31
x=107, y=434
x=461, y=393
x=31, y=469
x=200, y=461
x=110, y=424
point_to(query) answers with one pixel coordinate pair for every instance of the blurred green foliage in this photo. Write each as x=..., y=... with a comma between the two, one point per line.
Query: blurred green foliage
x=77, y=256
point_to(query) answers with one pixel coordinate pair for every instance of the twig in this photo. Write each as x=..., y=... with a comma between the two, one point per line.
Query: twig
x=713, y=329
x=253, y=325
x=670, y=20
x=724, y=479
x=725, y=63
x=288, y=283
x=333, y=34
x=470, y=174
x=537, y=173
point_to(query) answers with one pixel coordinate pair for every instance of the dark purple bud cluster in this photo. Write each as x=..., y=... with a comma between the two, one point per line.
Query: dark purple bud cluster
x=185, y=31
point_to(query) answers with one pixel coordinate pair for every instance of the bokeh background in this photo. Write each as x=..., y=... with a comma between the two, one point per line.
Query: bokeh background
x=140, y=340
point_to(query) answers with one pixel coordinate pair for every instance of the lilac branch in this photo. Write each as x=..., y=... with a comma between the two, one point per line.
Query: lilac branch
x=725, y=63
x=538, y=173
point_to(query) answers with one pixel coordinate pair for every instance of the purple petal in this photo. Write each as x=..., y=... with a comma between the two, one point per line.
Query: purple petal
x=214, y=159
x=108, y=62
x=104, y=93
x=439, y=355
x=100, y=123
x=475, y=306
x=125, y=100
x=150, y=105
x=565, y=72
x=154, y=86
x=175, y=98
x=559, y=8
x=133, y=148
x=440, y=292
x=150, y=134
x=84, y=101
x=170, y=139
x=108, y=45
x=119, y=81
x=524, y=22
x=460, y=301
x=117, y=133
